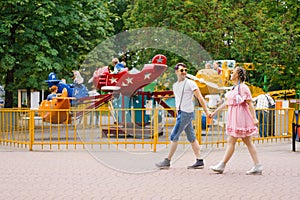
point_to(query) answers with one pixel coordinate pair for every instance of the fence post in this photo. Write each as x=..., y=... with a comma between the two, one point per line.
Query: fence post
x=31, y=129
x=199, y=125
x=155, y=128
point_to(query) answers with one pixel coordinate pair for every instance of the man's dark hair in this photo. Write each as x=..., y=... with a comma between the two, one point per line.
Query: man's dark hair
x=178, y=65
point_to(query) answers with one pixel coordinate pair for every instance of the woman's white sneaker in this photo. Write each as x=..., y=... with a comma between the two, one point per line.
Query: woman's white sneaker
x=256, y=170
x=218, y=168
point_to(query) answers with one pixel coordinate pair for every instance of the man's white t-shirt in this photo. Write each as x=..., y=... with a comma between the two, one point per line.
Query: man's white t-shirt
x=187, y=104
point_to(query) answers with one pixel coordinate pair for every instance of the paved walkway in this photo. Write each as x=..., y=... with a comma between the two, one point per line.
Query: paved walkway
x=79, y=175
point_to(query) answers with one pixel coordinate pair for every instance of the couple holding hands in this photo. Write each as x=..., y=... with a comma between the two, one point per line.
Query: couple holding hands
x=241, y=119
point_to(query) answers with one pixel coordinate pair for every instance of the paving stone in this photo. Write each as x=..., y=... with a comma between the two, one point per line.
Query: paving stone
x=73, y=174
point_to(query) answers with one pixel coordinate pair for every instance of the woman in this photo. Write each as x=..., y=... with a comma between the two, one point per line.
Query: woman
x=241, y=121
x=53, y=91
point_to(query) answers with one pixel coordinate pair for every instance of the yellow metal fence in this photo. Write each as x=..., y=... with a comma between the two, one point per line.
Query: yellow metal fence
x=126, y=128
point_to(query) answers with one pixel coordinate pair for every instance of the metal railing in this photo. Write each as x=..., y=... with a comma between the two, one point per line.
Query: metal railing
x=104, y=127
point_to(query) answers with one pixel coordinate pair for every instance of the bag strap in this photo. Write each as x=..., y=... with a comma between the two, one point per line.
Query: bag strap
x=182, y=94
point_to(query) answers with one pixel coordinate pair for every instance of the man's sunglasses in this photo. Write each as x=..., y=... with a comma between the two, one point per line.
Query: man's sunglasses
x=183, y=70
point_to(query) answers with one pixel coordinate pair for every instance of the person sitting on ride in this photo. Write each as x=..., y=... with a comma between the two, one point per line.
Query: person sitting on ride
x=118, y=67
x=53, y=91
x=77, y=77
x=111, y=66
x=217, y=67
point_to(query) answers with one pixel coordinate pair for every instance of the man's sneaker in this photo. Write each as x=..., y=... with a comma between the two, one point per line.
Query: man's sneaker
x=165, y=164
x=256, y=170
x=219, y=168
x=199, y=164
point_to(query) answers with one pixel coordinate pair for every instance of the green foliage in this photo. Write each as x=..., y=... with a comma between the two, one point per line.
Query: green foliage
x=38, y=37
x=263, y=32
x=118, y=7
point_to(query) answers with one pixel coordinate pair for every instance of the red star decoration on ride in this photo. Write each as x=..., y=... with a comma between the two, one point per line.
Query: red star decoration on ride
x=128, y=83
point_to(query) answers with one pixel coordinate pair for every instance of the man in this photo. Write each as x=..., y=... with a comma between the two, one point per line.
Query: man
x=184, y=90
x=262, y=113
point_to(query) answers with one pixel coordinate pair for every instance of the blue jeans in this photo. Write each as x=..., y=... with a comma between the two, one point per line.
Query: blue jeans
x=183, y=123
x=262, y=117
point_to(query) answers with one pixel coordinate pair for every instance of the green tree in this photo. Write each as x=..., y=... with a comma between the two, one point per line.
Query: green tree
x=38, y=37
x=263, y=32
x=283, y=43
x=118, y=7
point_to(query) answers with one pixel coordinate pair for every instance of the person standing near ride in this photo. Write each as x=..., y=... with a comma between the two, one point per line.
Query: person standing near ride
x=217, y=68
x=184, y=90
x=241, y=121
x=53, y=91
x=208, y=66
x=263, y=113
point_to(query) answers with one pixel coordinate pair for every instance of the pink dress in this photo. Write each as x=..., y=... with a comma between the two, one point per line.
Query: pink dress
x=239, y=120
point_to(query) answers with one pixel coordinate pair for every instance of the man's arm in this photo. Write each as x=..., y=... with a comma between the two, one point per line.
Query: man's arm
x=199, y=96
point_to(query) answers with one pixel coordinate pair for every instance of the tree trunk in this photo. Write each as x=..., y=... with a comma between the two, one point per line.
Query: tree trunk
x=9, y=97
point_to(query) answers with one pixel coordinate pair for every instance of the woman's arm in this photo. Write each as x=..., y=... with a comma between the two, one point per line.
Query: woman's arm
x=252, y=111
x=221, y=107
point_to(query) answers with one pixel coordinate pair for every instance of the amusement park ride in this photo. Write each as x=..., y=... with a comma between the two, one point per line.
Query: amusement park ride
x=127, y=84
